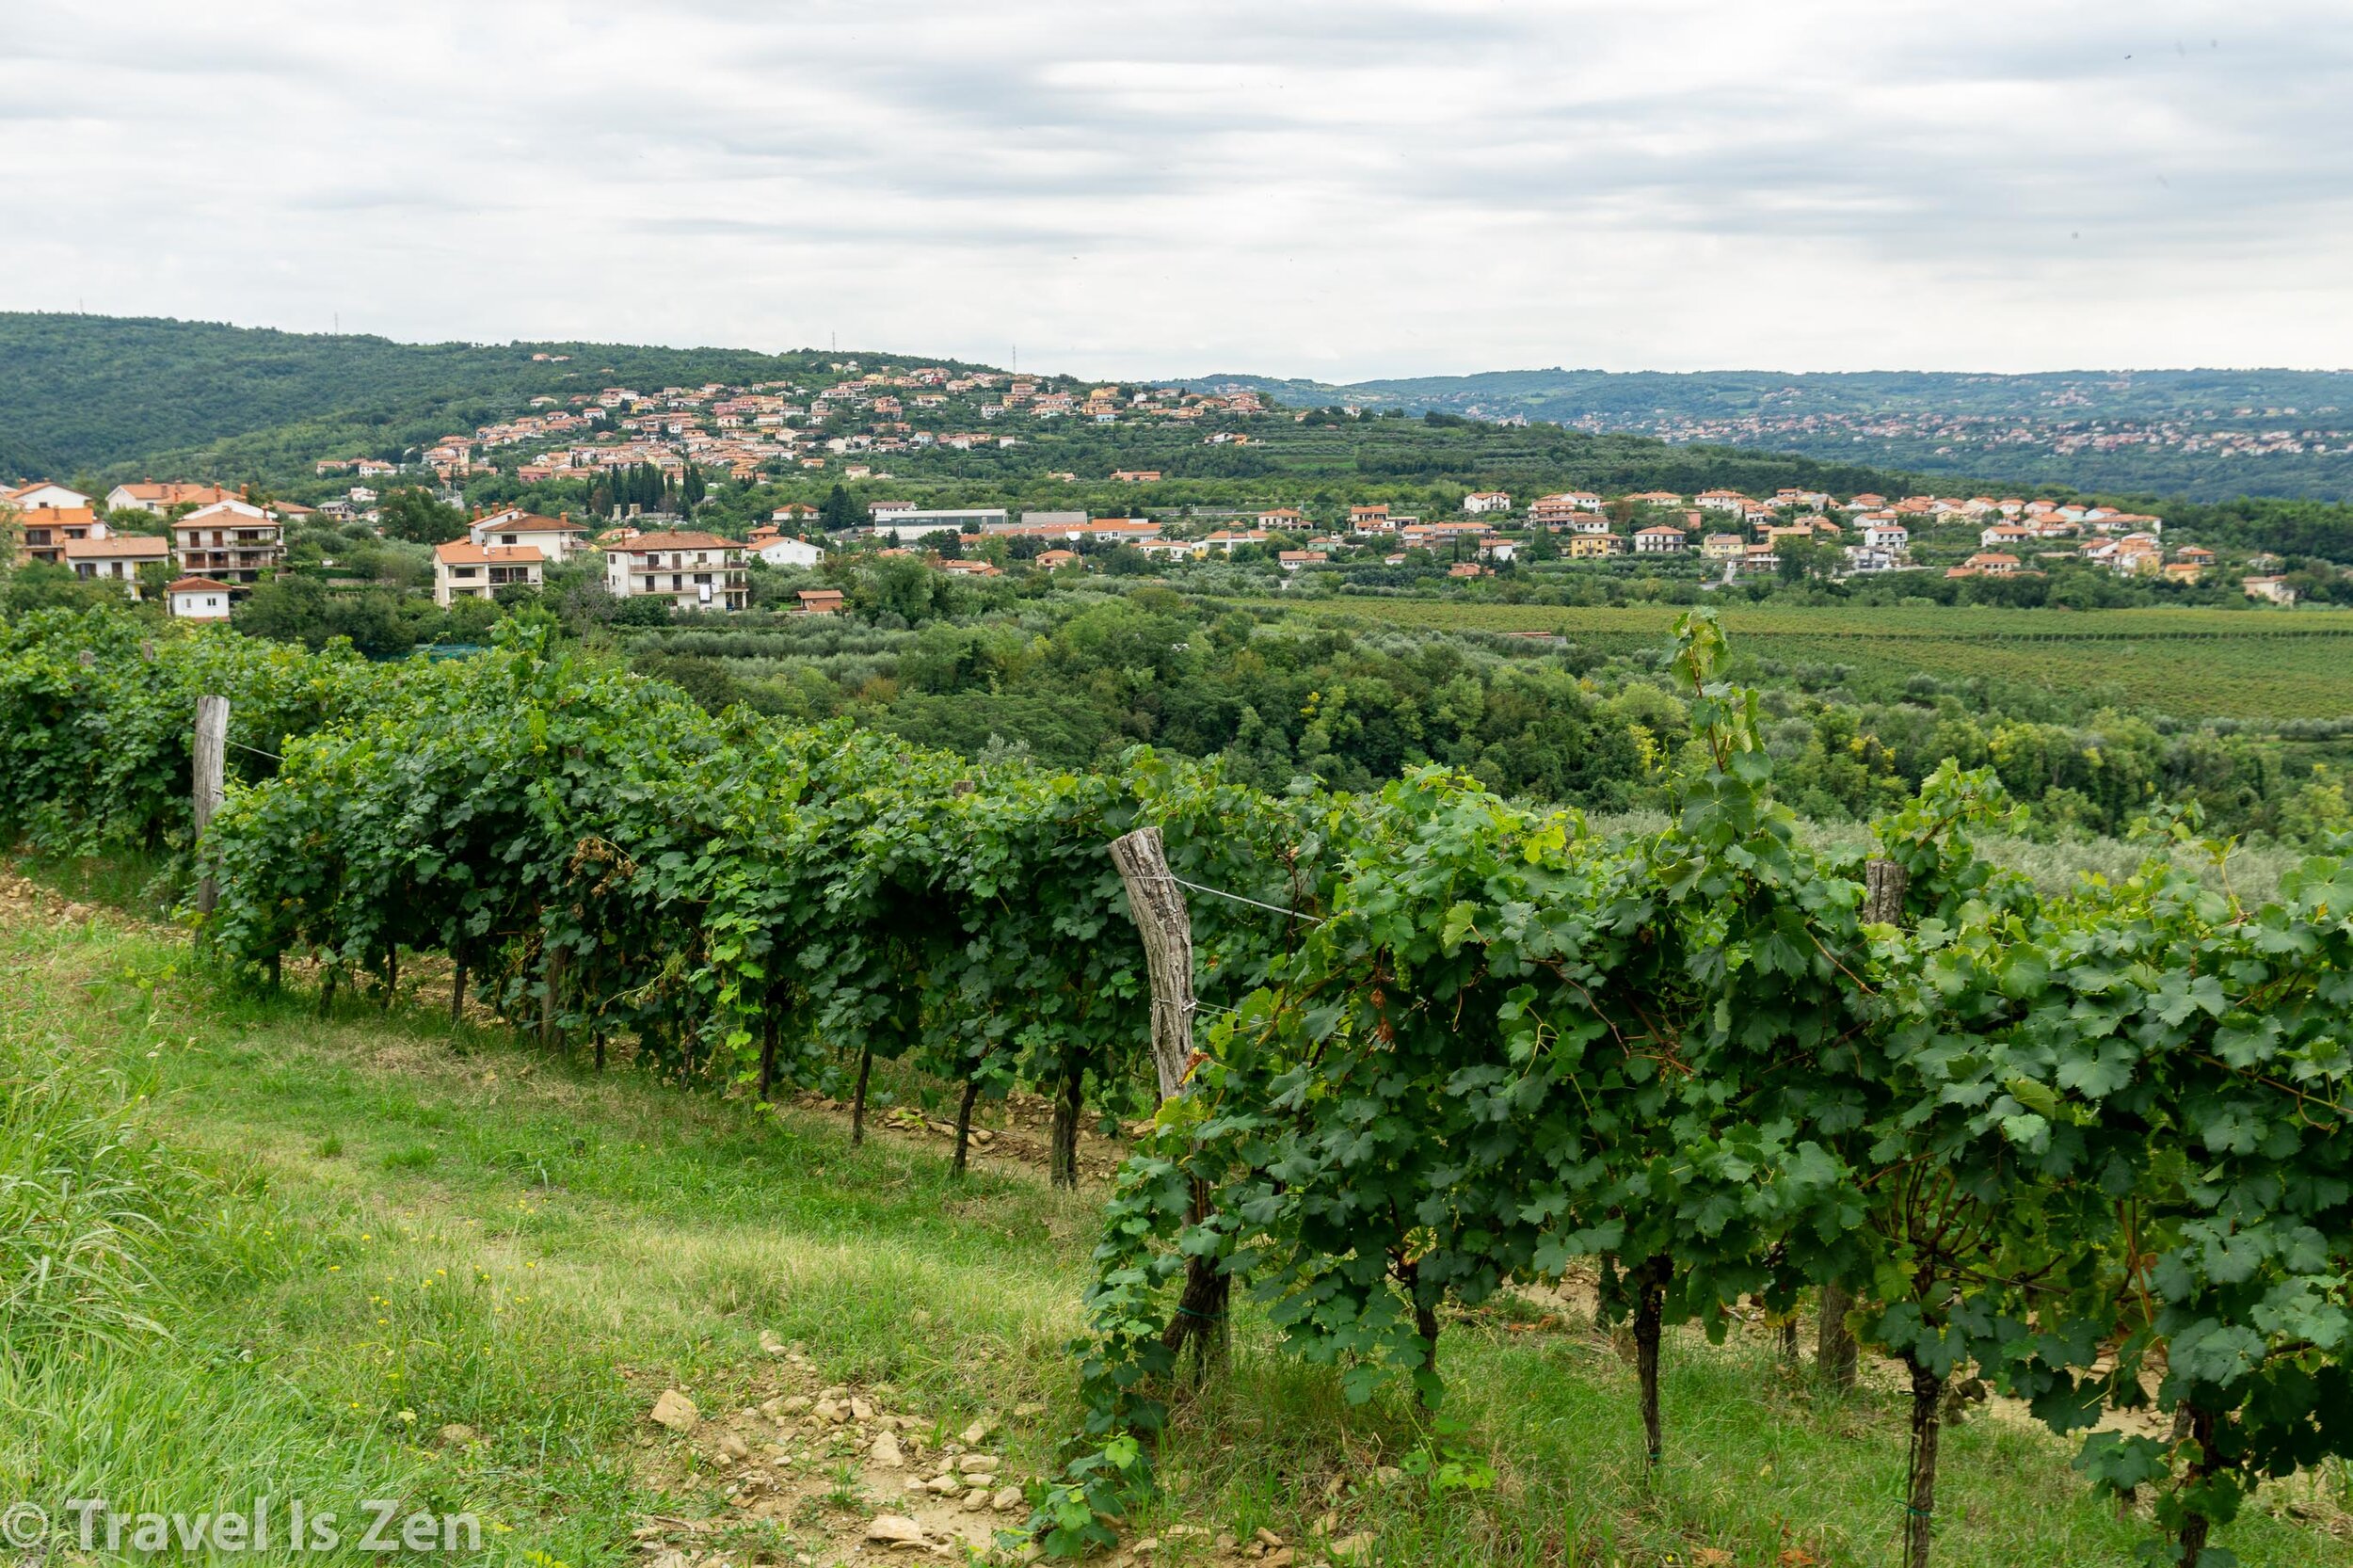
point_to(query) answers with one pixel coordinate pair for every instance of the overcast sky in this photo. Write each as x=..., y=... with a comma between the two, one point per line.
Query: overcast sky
x=1342, y=190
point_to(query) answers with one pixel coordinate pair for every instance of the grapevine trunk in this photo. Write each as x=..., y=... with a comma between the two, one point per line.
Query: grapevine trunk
x=1927, y=1403
x=964, y=1123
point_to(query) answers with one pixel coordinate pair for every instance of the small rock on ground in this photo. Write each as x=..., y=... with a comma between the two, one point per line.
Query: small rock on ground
x=675, y=1411
x=895, y=1528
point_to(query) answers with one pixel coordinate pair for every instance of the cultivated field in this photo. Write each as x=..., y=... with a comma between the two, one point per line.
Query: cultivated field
x=2194, y=664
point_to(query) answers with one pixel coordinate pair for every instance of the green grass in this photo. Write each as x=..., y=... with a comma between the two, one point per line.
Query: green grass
x=2189, y=662
x=362, y=1228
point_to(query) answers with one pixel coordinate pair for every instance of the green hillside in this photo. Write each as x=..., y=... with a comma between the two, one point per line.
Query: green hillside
x=113, y=396
x=2202, y=434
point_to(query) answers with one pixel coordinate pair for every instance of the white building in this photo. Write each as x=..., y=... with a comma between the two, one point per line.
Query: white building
x=1481, y=502
x=231, y=540
x=41, y=494
x=555, y=538
x=197, y=598
x=913, y=522
x=115, y=558
x=464, y=569
x=150, y=496
x=1174, y=550
x=787, y=552
x=695, y=571
x=1887, y=536
x=1660, y=540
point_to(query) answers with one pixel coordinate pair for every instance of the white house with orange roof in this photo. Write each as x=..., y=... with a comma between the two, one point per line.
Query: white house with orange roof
x=231, y=540
x=693, y=571
x=41, y=494
x=115, y=558
x=197, y=598
x=464, y=569
x=1229, y=539
x=555, y=538
x=1479, y=502
x=150, y=496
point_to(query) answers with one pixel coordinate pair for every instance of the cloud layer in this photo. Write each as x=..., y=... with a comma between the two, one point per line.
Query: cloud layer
x=1320, y=190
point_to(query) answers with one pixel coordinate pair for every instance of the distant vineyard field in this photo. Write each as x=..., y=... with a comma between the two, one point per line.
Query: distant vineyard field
x=2193, y=663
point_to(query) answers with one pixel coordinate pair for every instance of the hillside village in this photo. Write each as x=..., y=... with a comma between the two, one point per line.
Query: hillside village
x=201, y=548
x=617, y=485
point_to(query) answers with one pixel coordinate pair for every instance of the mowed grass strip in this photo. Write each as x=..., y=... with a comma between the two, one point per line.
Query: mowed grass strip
x=398, y=1226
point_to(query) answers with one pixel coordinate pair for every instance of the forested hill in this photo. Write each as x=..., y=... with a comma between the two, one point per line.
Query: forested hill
x=92, y=395
x=104, y=398
x=2207, y=434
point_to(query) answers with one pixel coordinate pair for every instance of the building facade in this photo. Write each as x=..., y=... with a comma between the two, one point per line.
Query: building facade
x=693, y=570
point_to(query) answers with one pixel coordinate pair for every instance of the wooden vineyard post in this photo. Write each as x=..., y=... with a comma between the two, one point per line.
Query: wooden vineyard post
x=1163, y=921
x=1883, y=886
x=1166, y=928
x=211, y=756
x=550, y=984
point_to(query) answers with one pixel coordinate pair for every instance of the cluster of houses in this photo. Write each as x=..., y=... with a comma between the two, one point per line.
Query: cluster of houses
x=220, y=542
x=216, y=541
x=2060, y=426
x=743, y=431
x=689, y=568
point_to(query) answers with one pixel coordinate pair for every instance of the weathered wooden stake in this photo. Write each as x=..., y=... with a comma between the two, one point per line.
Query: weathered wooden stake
x=1884, y=884
x=456, y=992
x=1166, y=929
x=964, y=1124
x=211, y=756
x=551, y=982
x=1062, y=1162
x=858, y=1096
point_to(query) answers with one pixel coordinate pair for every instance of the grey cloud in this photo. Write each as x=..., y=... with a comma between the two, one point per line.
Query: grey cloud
x=1344, y=188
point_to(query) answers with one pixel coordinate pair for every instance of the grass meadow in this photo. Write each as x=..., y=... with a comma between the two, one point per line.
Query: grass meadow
x=254, y=1251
